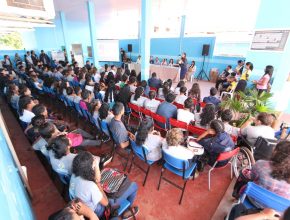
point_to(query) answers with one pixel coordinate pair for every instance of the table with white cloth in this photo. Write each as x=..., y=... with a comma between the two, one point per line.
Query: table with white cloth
x=162, y=72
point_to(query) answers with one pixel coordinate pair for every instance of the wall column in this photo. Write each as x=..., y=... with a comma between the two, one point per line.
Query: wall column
x=145, y=38
x=181, y=35
x=65, y=35
x=93, y=32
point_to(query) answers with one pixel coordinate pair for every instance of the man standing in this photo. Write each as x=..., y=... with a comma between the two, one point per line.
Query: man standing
x=44, y=58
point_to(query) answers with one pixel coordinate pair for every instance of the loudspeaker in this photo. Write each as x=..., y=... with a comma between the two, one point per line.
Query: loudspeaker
x=130, y=48
x=205, y=50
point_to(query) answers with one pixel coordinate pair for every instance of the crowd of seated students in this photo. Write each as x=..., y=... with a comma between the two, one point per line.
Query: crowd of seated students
x=96, y=92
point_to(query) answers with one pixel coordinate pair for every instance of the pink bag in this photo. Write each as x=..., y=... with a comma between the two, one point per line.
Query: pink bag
x=76, y=139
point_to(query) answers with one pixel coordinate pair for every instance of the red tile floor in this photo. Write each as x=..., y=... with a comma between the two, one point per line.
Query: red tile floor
x=198, y=202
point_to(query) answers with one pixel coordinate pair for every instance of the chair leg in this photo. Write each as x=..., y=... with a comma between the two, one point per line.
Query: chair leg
x=231, y=170
x=161, y=174
x=144, y=182
x=183, y=189
x=209, y=172
x=132, y=161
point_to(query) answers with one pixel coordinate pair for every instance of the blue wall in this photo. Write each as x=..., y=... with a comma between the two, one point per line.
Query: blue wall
x=14, y=201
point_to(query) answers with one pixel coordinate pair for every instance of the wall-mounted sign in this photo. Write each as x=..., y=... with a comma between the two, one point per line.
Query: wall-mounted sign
x=273, y=40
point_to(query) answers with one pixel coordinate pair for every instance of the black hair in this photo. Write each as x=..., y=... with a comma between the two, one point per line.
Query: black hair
x=227, y=115
x=124, y=77
x=181, y=84
x=213, y=91
x=165, y=89
x=46, y=130
x=143, y=130
x=153, y=74
x=77, y=89
x=251, y=66
x=217, y=125
x=144, y=83
x=132, y=79
x=133, y=73
x=104, y=111
x=59, y=145
x=110, y=92
x=152, y=95
x=38, y=109
x=188, y=103
x=230, y=66
x=240, y=61
x=170, y=97
x=110, y=77
x=269, y=70
x=85, y=94
x=83, y=166
x=69, y=90
x=169, y=82
x=138, y=92
x=182, y=89
x=24, y=101
x=37, y=121
x=117, y=108
x=208, y=114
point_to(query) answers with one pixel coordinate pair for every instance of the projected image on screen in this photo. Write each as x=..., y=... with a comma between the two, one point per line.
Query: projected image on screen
x=27, y=4
x=108, y=50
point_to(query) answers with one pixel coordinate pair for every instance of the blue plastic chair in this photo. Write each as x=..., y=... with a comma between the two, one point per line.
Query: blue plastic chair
x=23, y=124
x=263, y=197
x=65, y=179
x=179, y=167
x=141, y=152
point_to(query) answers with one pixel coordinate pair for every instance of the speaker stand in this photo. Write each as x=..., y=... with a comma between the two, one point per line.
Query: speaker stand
x=202, y=73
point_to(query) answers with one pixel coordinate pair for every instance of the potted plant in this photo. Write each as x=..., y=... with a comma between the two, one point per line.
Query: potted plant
x=248, y=104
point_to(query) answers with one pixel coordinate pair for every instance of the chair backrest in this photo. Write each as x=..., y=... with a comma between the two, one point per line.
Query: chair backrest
x=104, y=126
x=179, y=106
x=158, y=118
x=160, y=100
x=134, y=107
x=202, y=104
x=153, y=89
x=195, y=130
x=265, y=197
x=228, y=155
x=175, y=162
x=264, y=148
x=178, y=124
x=64, y=177
x=140, y=150
x=145, y=111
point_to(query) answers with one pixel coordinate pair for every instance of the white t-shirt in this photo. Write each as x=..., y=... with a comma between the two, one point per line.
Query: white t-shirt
x=97, y=77
x=253, y=132
x=27, y=116
x=40, y=144
x=180, y=99
x=179, y=152
x=132, y=88
x=185, y=116
x=153, y=144
x=151, y=105
x=232, y=130
x=177, y=91
x=62, y=165
x=90, y=88
x=139, y=102
x=87, y=191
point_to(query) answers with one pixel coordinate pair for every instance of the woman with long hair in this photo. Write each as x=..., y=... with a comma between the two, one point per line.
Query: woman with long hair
x=110, y=94
x=163, y=91
x=263, y=83
x=194, y=92
x=183, y=66
x=59, y=154
x=150, y=139
x=191, y=71
x=137, y=98
x=85, y=184
x=207, y=115
x=274, y=175
x=242, y=84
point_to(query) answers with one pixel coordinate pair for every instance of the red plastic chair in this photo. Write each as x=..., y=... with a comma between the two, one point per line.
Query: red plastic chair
x=153, y=89
x=177, y=124
x=145, y=111
x=159, y=118
x=234, y=138
x=135, y=112
x=161, y=100
x=179, y=106
x=195, y=130
x=224, y=156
